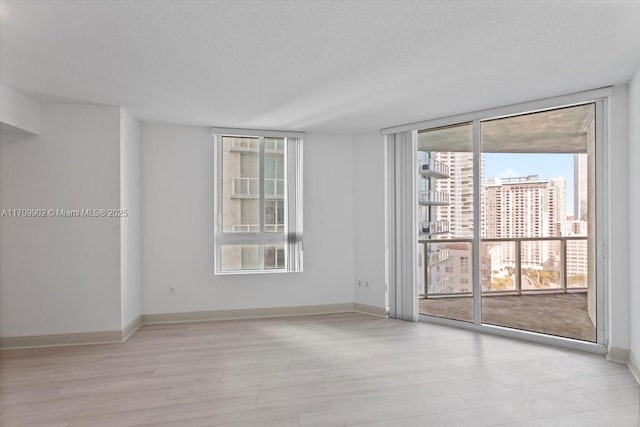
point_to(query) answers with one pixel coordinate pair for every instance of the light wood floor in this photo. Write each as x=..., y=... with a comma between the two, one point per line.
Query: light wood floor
x=334, y=370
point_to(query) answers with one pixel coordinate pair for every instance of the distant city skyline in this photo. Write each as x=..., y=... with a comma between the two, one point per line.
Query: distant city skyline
x=545, y=165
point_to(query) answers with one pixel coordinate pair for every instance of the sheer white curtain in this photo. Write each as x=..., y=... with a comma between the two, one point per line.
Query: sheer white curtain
x=401, y=235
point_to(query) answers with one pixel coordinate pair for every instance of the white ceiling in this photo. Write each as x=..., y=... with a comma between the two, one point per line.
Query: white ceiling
x=313, y=66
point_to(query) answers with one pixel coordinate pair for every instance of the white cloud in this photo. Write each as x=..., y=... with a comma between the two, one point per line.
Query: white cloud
x=508, y=173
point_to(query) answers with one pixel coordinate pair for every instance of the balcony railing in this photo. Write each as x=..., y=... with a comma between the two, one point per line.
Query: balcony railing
x=434, y=227
x=255, y=228
x=434, y=168
x=249, y=188
x=253, y=145
x=245, y=144
x=524, y=265
x=438, y=256
x=441, y=286
x=432, y=197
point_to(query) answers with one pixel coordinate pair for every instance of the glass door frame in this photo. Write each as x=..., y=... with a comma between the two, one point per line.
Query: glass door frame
x=600, y=99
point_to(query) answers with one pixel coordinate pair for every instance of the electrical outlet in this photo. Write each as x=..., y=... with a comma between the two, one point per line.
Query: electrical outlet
x=172, y=290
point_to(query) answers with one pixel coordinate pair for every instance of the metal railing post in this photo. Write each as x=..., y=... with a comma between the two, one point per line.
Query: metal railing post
x=563, y=264
x=518, y=266
x=425, y=247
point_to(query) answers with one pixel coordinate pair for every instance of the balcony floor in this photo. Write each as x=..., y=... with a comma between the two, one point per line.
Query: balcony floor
x=564, y=315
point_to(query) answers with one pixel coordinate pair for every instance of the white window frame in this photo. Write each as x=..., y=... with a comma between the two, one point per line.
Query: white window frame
x=291, y=237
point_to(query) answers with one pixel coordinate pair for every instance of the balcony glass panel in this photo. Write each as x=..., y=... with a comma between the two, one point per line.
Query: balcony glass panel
x=446, y=280
x=498, y=266
x=540, y=262
x=577, y=264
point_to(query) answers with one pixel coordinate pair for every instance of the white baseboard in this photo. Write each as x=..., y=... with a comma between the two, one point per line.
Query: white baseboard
x=249, y=313
x=114, y=337
x=131, y=328
x=370, y=310
x=624, y=355
x=618, y=354
x=59, y=340
x=79, y=338
x=634, y=366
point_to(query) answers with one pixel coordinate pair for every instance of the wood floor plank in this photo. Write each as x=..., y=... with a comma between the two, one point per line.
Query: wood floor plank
x=343, y=369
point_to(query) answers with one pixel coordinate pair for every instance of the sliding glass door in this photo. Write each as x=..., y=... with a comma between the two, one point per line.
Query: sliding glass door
x=521, y=190
x=538, y=227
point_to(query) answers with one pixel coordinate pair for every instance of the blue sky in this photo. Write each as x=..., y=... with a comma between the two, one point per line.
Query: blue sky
x=506, y=165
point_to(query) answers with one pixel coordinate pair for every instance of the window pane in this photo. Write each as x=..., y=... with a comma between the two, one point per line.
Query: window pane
x=274, y=216
x=274, y=177
x=445, y=214
x=272, y=145
x=239, y=257
x=274, y=257
x=538, y=210
x=446, y=185
x=274, y=186
x=240, y=184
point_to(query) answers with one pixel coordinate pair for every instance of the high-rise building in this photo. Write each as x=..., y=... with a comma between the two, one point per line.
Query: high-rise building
x=459, y=186
x=449, y=267
x=580, y=187
x=572, y=228
x=557, y=202
x=533, y=207
x=577, y=251
x=517, y=207
x=520, y=207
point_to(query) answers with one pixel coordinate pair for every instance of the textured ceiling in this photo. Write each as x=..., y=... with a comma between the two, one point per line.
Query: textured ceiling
x=313, y=66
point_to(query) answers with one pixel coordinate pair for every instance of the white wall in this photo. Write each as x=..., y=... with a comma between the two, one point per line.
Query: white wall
x=369, y=219
x=617, y=192
x=130, y=225
x=19, y=111
x=177, y=228
x=634, y=209
x=61, y=275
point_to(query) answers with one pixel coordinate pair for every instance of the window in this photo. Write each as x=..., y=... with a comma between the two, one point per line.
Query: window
x=464, y=265
x=258, y=202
